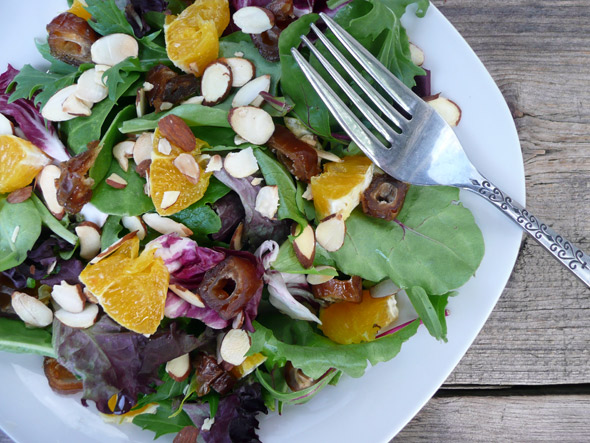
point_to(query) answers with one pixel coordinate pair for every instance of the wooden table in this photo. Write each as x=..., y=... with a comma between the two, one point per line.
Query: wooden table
x=527, y=376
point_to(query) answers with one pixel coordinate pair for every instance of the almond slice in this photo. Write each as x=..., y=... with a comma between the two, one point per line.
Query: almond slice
x=165, y=225
x=267, y=201
x=89, y=235
x=116, y=181
x=252, y=124
x=447, y=109
x=215, y=164
x=241, y=164
x=179, y=368
x=90, y=86
x=53, y=109
x=69, y=297
x=75, y=106
x=31, y=310
x=46, y=182
x=122, y=152
x=176, y=131
x=113, y=48
x=216, y=83
x=6, y=126
x=234, y=346
x=169, y=198
x=142, y=150
x=318, y=279
x=188, y=166
x=187, y=296
x=135, y=224
x=330, y=232
x=242, y=70
x=140, y=102
x=80, y=320
x=416, y=54
x=253, y=19
x=249, y=94
x=112, y=248
x=304, y=245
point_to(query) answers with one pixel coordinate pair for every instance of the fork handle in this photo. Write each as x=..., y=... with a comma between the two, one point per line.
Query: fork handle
x=565, y=252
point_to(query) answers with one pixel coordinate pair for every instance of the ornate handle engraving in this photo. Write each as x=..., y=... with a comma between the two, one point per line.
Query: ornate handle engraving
x=569, y=255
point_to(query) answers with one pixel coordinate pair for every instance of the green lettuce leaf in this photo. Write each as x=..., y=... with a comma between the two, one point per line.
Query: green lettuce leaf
x=16, y=337
x=23, y=217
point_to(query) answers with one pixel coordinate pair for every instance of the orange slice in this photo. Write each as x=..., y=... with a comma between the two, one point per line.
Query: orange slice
x=130, y=288
x=192, y=38
x=165, y=177
x=338, y=189
x=79, y=8
x=347, y=323
x=20, y=162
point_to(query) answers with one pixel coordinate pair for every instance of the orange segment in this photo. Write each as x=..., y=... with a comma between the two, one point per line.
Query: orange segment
x=338, y=189
x=132, y=290
x=347, y=323
x=128, y=417
x=20, y=162
x=164, y=176
x=192, y=38
x=79, y=8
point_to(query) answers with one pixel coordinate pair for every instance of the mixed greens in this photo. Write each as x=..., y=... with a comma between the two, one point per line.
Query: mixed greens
x=226, y=241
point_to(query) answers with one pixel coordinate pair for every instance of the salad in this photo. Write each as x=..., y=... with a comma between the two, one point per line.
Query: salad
x=201, y=243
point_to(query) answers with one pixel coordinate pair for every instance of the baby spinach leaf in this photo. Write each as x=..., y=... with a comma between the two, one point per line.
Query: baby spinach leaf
x=309, y=108
x=53, y=223
x=287, y=261
x=131, y=200
x=16, y=337
x=276, y=174
x=192, y=114
x=22, y=219
x=283, y=339
x=110, y=231
x=162, y=422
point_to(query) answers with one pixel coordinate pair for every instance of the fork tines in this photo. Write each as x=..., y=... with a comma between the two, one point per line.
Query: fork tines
x=402, y=95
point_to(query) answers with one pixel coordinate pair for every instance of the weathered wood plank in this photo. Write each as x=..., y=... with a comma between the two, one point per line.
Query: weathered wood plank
x=504, y=418
x=538, y=53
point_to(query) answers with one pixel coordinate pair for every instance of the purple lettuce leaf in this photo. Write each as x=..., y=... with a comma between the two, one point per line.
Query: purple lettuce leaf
x=28, y=119
x=231, y=212
x=43, y=258
x=135, y=11
x=235, y=419
x=257, y=228
x=112, y=360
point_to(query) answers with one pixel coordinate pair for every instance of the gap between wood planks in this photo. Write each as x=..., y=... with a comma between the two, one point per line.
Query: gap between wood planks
x=513, y=391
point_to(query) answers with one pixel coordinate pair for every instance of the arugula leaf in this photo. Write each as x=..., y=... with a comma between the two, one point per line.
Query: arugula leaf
x=82, y=130
x=284, y=339
x=131, y=200
x=309, y=108
x=399, y=6
x=276, y=174
x=298, y=397
x=162, y=422
x=166, y=391
x=24, y=219
x=107, y=17
x=192, y=114
x=15, y=336
x=30, y=80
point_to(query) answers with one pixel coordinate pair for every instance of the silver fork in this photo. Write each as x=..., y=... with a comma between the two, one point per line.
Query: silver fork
x=424, y=150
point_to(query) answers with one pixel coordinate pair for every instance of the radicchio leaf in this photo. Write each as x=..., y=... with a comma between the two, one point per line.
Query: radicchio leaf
x=235, y=419
x=257, y=228
x=231, y=213
x=28, y=119
x=112, y=360
x=135, y=11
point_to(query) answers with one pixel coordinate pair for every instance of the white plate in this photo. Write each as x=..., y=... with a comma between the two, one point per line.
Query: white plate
x=376, y=406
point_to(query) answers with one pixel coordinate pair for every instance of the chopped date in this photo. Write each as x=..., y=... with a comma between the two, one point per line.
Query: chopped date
x=209, y=375
x=70, y=38
x=335, y=290
x=384, y=198
x=299, y=158
x=169, y=87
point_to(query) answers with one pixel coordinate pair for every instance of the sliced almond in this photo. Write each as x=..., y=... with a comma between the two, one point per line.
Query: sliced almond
x=304, y=245
x=215, y=164
x=253, y=19
x=318, y=279
x=307, y=195
x=416, y=54
x=237, y=239
x=113, y=48
x=90, y=297
x=216, y=82
x=187, y=296
x=196, y=100
x=386, y=288
x=14, y=235
x=147, y=86
x=447, y=109
x=164, y=106
x=116, y=181
x=69, y=297
x=239, y=140
x=143, y=170
x=267, y=201
x=80, y=320
x=53, y=109
x=75, y=106
x=252, y=124
x=164, y=146
x=135, y=224
x=325, y=155
x=165, y=225
x=242, y=70
x=179, y=368
x=234, y=346
x=123, y=151
x=46, y=182
x=89, y=235
x=20, y=195
x=330, y=232
x=188, y=166
x=140, y=102
x=31, y=310
x=241, y=164
x=90, y=86
x=6, y=126
x=169, y=198
x=255, y=181
x=112, y=248
x=249, y=94
x=142, y=150
x=176, y=131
